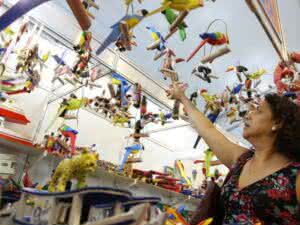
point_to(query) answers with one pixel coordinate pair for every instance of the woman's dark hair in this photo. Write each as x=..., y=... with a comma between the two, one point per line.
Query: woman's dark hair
x=287, y=114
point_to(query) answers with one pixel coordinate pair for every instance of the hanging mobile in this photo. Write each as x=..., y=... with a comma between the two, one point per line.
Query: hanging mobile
x=213, y=39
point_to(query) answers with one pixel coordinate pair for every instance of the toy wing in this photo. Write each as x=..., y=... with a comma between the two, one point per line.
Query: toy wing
x=75, y=104
x=133, y=21
x=212, y=36
x=117, y=78
x=59, y=60
x=45, y=57
x=18, y=10
x=182, y=33
x=154, y=33
x=170, y=15
x=9, y=31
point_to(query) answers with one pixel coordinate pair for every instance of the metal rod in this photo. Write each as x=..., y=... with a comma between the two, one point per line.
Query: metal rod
x=66, y=93
x=168, y=128
x=159, y=144
x=39, y=126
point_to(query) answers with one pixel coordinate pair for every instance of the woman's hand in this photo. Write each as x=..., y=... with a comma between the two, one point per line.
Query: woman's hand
x=176, y=91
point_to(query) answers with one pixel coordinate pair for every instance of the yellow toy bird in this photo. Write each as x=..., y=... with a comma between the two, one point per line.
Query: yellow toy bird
x=9, y=31
x=120, y=119
x=45, y=57
x=207, y=98
x=256, y=75
x=179, y=5
x=71, y=104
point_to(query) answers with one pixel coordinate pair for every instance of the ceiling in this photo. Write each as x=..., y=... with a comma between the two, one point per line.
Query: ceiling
x=248, y=41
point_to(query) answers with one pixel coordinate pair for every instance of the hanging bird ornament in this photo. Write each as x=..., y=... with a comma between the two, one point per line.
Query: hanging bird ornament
x=171, y=17
x=213, y=39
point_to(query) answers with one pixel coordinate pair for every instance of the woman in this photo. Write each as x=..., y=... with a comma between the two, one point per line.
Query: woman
x=264, y=184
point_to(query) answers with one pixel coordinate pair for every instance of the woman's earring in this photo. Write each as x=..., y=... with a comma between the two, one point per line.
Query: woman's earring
x=273, y=128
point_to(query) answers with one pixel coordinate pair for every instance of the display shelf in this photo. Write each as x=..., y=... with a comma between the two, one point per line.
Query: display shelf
x=141, y=188
x=10, y=147
x=104, y=178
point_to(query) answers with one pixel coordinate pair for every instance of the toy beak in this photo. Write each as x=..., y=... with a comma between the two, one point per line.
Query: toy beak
x=230, y=68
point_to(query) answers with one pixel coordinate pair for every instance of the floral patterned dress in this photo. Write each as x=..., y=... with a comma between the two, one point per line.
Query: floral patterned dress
x=270, y=201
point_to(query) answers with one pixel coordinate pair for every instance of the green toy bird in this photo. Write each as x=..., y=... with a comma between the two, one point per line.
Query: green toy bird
x=71, y=104
x=171, y=16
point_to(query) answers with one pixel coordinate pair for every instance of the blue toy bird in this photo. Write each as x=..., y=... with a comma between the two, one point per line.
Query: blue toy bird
x=156, y=35
x=119, y=80
x=237, y=89
x=114, y=35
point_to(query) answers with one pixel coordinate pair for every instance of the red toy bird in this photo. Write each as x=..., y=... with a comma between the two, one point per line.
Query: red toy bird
x=214, y=39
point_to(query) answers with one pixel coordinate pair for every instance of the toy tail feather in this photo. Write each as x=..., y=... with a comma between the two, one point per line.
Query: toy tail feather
x=182, y=34
x=127, y=153
x=18, y=10
x=111, y=38
x=197, y=50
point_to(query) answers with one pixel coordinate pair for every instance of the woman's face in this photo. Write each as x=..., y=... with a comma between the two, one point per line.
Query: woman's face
x=258, y=121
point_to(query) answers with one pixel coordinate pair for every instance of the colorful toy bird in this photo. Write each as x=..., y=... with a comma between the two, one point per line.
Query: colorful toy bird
x=238, y=70
x=45, y=57
x=164, y=117
x=71, y=133
x=176, y=216
x=256, y=75
x=134, y=149
x=83, y=43
x=178, y=5
x=9, y=31
x=204, y=73
x=71, y=104
x=171, y=17
x=156, y=35
x=207, y=97
x=214, y=39
x=119, y=118
x=131, y=22
x=237, y=89
x=180, y=168
x=125, y=87
x=59, y=59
